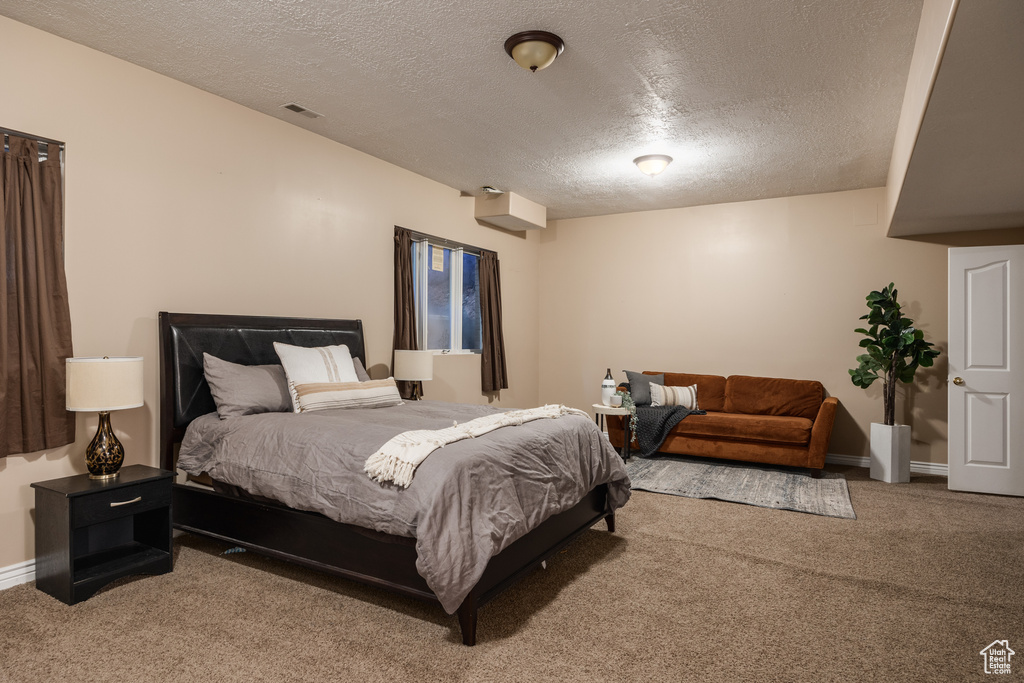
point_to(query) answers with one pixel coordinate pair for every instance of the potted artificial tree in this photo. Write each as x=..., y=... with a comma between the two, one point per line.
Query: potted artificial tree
x=895, y=350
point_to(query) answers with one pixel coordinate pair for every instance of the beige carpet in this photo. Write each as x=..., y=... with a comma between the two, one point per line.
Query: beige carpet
x=687, y=590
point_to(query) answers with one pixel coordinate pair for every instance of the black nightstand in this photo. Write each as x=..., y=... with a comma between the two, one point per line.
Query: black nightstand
x=90, y=532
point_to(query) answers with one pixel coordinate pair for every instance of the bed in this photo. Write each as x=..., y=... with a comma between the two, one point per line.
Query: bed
x=384, y=560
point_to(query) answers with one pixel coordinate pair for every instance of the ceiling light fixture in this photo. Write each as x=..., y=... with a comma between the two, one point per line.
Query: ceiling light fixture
x=534, y=50
x=653, y=164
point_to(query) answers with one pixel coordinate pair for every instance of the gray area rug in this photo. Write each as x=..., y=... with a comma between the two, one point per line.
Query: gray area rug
x=763, y=486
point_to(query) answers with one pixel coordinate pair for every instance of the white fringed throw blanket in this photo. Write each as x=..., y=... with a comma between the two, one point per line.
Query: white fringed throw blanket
x=397, y=460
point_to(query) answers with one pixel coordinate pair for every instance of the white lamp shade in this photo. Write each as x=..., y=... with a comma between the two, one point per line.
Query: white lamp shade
x=101, y=384
x=653, y=164
x=414, y=366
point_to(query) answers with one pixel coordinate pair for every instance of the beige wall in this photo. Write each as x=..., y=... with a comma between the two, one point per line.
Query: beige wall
x=179, y=200
x=771, y=288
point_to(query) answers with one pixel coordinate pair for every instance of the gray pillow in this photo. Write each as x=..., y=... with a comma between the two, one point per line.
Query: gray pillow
x=246, y=389
x=640, y=386
x=357, y=365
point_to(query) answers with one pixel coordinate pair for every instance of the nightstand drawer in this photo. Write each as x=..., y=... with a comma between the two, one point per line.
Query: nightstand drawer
x=120, y=502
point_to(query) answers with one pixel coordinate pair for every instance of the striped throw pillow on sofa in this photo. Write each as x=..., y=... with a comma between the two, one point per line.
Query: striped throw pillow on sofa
x=674, y=396
x=376, y=393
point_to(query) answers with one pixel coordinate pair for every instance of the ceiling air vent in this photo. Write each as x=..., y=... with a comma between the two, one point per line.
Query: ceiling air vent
x=299, y=109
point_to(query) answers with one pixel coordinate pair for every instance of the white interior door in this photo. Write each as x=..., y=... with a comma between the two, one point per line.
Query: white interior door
x=986, y=377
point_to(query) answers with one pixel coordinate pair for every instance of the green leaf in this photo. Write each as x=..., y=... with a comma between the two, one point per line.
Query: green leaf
x=894, y=347
x=864, y=381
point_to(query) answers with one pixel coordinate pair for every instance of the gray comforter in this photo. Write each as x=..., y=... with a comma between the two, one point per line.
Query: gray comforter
x=467, y=502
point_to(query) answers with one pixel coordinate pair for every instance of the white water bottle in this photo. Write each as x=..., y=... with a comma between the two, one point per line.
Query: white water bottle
x=607, y=388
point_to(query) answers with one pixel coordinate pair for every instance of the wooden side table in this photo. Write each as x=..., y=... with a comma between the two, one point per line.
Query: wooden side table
x=90, y=532
x=600, y=410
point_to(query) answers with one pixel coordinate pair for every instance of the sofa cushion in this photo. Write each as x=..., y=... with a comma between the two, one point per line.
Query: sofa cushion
x=665, y=395
x=640, y=386
x=776, y=429
x=710, y=388
x=773, y=396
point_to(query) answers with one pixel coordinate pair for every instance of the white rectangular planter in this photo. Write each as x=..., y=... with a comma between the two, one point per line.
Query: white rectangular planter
x=890, y=452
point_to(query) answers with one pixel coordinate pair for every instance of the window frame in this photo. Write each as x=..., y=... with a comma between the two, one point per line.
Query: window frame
x=421, y=259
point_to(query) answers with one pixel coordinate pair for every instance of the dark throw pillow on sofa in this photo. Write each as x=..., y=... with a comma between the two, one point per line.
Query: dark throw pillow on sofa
x=640, y=386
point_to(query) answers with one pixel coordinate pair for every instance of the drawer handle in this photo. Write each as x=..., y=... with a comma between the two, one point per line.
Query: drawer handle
x=126, y=502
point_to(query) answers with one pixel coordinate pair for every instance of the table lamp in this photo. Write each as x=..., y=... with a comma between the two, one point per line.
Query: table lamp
x=414, y=366
x=101, y=385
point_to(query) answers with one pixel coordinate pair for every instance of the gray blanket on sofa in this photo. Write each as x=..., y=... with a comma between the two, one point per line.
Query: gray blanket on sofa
x=653, y=423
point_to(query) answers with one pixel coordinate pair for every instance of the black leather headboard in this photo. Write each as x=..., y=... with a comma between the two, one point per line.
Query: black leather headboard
x=249, y=340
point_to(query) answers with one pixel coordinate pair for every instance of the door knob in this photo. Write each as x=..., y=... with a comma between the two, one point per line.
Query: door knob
x=958, y=381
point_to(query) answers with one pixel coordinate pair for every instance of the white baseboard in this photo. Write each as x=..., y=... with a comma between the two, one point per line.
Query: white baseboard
x=937, y=468
x=17, y=574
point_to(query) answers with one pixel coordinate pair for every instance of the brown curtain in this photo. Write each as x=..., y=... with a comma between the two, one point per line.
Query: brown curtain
x=405, y=307
x=35, y=322
x=493, y=375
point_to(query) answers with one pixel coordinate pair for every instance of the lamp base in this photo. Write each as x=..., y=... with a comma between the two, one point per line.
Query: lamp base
x=105, y=453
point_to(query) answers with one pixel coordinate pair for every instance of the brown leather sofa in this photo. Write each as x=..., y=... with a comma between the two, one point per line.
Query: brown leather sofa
x=757, y=419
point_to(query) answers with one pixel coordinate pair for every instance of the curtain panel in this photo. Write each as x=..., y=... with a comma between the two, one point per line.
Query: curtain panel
x=35, y=320
x=405, y=307
x=493, y=374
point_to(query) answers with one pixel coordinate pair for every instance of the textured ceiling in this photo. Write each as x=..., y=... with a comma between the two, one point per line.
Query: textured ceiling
x=966, y=172
x=753, y=99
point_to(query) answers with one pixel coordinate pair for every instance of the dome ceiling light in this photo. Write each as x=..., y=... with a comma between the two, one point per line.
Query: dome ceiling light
x=534, y=50
x=653, y=164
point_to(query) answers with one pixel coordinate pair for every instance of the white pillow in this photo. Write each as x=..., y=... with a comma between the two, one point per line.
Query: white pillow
x=674, y=396
x=375, y=393
x=321, y=364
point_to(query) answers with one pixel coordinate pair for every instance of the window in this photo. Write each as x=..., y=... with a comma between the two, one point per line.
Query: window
x=446, y=292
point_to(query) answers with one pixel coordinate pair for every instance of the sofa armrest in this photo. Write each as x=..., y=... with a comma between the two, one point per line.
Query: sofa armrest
x=821, y=432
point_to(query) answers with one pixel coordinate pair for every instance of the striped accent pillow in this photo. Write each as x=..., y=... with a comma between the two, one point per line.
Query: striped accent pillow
x=674, y=396
x=303, y=365
x=376, y=393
